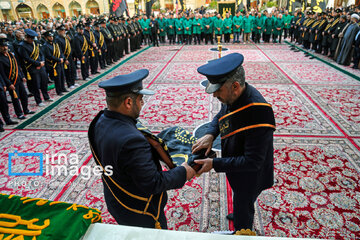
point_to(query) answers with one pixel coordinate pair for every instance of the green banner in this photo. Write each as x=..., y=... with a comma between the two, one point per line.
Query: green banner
x=36, y=218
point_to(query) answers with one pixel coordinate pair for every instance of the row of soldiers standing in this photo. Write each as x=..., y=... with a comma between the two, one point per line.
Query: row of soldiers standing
x=325, y=33
x=53, y=56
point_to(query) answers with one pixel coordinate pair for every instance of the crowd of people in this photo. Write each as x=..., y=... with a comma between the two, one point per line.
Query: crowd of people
x=50, y=51
x=39, y=53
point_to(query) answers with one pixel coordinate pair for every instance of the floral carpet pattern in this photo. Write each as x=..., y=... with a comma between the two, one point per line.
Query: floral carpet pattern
x=316, y=148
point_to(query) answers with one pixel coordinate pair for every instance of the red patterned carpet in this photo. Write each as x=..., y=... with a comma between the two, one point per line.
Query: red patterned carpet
x=317, y=143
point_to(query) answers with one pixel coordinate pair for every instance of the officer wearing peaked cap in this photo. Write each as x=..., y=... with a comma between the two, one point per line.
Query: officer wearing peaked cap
x=81, y=50
x=246, y=124
x=54, y=62
x=93, y=47
x=135, y=192
x=34, y=64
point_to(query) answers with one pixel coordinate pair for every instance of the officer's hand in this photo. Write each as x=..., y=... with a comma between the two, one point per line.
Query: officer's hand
x=24, y=79
x=61, y=60
x=66, y=62
x=4, y=89
x=11, y=87
x=112, y=40
x=207, y=165
x=42, y=64
x=204, y=142
x=190, y=172
x=83, y=58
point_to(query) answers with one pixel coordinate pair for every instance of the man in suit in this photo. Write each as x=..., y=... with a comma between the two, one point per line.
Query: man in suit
x=135, y=191
x=246, y=124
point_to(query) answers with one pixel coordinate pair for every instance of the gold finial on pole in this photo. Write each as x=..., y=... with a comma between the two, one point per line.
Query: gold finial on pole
x=220, y=49
x=218, y=38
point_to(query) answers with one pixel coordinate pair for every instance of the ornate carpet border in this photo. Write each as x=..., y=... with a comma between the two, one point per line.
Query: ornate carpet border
x=326, y=62
x=49, y=108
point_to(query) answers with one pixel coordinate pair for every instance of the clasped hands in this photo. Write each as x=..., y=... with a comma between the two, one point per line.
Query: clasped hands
x=207, y=163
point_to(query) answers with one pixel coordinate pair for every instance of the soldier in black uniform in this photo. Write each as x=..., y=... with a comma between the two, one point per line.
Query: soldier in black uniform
x=139, y=32
x=246, y=136
x=34, y=64
x=126, y=35
x=93, y=48
x=109, y=41
x=70, y=35
x=13, y=80
x=132, y=32
x=4, y=108
x=135, y=189
x=54, y=62
x=318, y=33
x=81, y=51
x=63, y=40
x=335, y=30
x=326, y=35
x=114, y=47
x=120, y=34
x=154, y=25
x=306, y=29
x=102, y=48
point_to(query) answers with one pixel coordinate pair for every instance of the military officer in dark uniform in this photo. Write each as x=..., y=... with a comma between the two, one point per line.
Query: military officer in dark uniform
x=132, y=32
x=81, y=51
x=63, y=40
x=246, y=124
x=306, y=29
x=4, y=108
x=114, y=47
x=139, y=32
x=13, y=78
x=34, y=64
x=135, y=192
x=126, y=35
x=102, y=48
x=109, y=41
x=54, y=62
x=93, y=48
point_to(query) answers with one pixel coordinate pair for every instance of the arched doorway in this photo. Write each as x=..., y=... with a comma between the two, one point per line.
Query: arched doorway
x=75, y=9
x=59, y=10
x=24, y=11
x=43, y=11
x=92, y=7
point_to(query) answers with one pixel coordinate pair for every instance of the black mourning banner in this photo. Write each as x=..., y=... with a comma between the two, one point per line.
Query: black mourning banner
x=226, y=7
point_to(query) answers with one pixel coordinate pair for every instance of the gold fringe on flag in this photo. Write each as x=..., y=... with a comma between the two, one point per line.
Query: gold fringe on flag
x=28, y=76
x=55, y=73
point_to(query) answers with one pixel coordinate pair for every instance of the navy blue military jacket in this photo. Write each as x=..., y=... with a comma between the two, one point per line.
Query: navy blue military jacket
x=5, y=69
x=247, y=157
x=135, y=168
x=62, y=44
x=25, y=51
x=78, y=43
x=97, y=38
